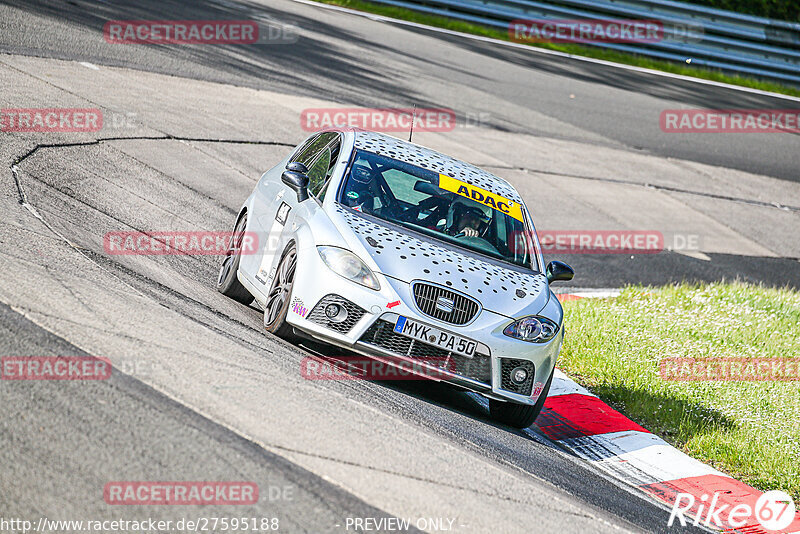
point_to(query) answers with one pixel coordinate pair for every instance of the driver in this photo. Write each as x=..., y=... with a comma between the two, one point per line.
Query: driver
x=363, y=189
x=465, y=220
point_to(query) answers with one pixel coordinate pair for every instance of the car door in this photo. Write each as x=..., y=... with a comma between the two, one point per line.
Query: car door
x=274, y=202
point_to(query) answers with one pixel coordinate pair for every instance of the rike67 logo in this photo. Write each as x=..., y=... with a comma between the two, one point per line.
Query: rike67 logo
x=774, y=511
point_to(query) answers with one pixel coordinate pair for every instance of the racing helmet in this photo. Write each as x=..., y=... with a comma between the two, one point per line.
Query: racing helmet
x=458, y=209
x=360, y=187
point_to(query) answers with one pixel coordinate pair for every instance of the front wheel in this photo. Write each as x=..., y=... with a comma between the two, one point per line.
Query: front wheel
x=519, y=415
x=227, y=282
x=278, y=297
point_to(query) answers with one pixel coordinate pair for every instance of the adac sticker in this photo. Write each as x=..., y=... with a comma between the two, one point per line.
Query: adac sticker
x=494, y=201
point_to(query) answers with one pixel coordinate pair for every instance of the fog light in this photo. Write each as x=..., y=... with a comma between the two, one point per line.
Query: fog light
x=335, y=313
x=519, y=375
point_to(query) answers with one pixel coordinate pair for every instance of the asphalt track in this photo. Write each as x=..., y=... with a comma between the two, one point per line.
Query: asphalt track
x=199, y=391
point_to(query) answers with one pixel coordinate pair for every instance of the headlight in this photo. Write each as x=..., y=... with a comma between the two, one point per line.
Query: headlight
x=348, y=265
x=533, y=329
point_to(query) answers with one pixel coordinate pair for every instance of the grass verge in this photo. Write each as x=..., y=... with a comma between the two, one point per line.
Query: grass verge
x=575, y=49
x=750, y=430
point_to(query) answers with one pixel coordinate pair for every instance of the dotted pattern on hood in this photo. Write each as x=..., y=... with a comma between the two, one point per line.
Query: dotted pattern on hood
x=426, y=158
x=444, y=266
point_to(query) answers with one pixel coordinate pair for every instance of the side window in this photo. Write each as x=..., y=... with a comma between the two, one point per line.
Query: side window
x=318, y=171
x=302, y=148
x=320, y=156
x=313, y=147
x=322, y=193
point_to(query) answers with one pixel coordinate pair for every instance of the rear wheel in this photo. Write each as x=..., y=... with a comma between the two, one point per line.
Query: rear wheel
x=227, y=282
x=519, y=415
x=278, y=297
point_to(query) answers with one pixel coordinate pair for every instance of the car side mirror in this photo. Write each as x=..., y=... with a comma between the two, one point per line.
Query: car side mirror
x=296, y=177
x=558, y=271
x=296, y=166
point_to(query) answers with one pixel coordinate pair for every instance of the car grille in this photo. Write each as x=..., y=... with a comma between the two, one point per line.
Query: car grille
x=381, y=334
x=509, y=364
x=426, y=296
x=354, y=314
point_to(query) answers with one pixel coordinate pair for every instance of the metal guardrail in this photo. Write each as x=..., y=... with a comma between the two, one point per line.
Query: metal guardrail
x=713, y=38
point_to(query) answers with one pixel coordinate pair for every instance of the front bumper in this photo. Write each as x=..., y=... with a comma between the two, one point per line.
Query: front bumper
x=370, y=311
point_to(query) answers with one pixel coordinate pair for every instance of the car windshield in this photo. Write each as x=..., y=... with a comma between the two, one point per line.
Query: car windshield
x=439, y=206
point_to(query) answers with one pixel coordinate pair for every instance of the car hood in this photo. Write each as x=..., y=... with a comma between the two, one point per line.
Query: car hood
x=403, y=256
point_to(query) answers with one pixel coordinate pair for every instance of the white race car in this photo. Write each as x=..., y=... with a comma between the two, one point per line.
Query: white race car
x=402, y=254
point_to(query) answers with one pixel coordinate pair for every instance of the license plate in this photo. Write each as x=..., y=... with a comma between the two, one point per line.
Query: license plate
x=434, y=336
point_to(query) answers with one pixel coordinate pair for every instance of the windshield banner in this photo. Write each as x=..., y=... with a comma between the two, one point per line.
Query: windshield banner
x=497, y=202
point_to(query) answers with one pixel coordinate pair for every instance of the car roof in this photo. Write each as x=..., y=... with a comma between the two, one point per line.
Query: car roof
x=426, y=158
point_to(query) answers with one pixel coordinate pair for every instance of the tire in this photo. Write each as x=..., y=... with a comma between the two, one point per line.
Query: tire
x=277, y=305
x=519, y=415
x=227, y=282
